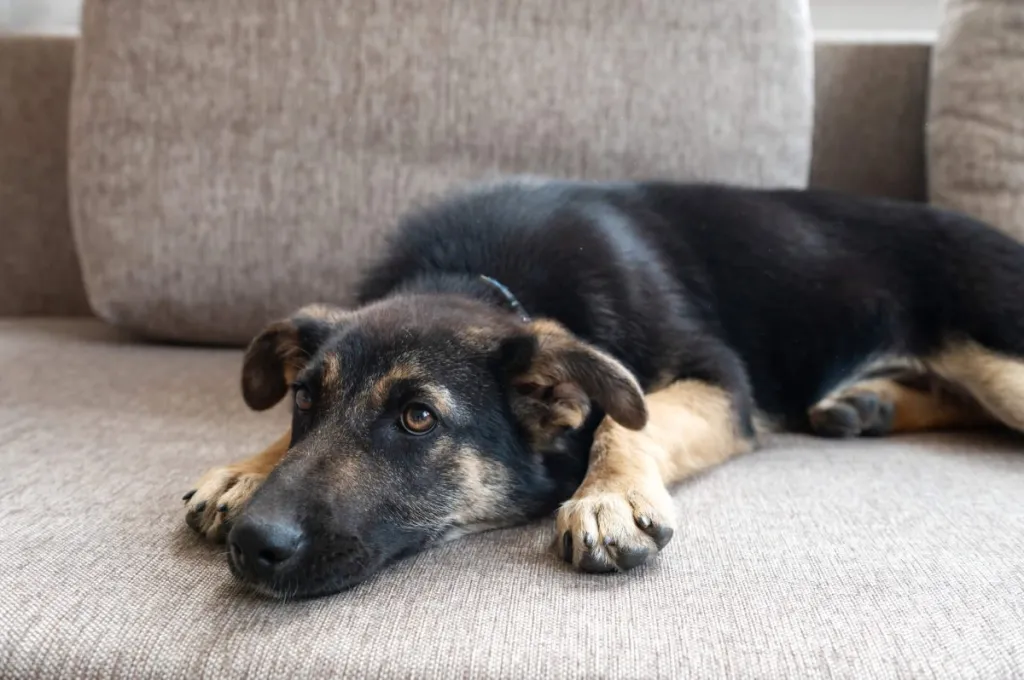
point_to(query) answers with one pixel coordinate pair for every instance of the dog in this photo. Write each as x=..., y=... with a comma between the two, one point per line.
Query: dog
x=531, y=348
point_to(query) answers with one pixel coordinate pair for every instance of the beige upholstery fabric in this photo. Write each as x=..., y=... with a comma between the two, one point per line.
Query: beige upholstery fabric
x=976, y=117
x=870, y=98
x=870, y=105
x=39, y=272
x=233, y=160
x=873, y=559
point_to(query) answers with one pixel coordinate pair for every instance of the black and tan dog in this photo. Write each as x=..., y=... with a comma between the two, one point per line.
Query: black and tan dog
x=554, y=347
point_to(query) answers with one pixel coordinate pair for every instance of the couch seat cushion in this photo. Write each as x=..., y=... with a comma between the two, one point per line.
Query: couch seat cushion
x=880, y=559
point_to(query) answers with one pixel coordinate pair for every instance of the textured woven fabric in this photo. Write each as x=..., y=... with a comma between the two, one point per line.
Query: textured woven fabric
x=870, y=105
x=976, y=117
x=233, y=160
x=39, y=272
x=869, y=99
x=872, y=559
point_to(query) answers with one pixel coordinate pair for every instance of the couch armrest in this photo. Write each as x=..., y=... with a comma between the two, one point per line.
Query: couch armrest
x=39, y=270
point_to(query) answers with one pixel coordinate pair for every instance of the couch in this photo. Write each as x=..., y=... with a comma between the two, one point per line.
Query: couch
x=897, y=558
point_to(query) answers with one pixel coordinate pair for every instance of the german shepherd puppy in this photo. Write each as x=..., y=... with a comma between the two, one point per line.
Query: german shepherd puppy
x=537, y=347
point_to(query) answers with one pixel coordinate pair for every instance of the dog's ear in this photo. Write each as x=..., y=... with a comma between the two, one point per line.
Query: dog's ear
x=555, y=377
x=281, y=350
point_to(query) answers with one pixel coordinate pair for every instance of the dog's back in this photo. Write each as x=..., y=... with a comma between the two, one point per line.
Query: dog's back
x=807, y=287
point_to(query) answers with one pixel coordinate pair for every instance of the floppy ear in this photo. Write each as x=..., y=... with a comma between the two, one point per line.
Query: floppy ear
x=281, y=350
x=556, y=377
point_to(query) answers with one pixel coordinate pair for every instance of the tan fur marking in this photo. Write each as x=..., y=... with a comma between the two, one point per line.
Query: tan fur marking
x=483, y=488
x=266, y=460
x=548, y=327
x=323, y=312
x=566, y=374
x=331, y=377
x=440, y=398
x=353, y=473
x=285, y=339
x=996, y=381
x=289, y=350
x=231, y=486
x=380, y=388
x=919, y=410
x=479, y=338
x=567, y=407
x=691, y=427
x=288, y=346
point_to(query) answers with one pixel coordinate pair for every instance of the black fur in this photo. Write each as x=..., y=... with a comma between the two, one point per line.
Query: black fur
x=776, y=295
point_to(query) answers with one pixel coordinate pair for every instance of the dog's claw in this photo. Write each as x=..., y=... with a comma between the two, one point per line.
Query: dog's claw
x=200, y=506
x=594, y=564
x=567, y=547
x=194, y=521
x=223, y=507
x=660, y=533
x=187, y=497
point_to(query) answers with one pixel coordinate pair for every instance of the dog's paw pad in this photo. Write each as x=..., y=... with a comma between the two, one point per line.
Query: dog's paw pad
x=218, y=498
x=614, y=531
x=852, y=414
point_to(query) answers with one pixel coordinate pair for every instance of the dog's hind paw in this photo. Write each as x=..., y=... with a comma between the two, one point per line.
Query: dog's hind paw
x=854, y=413
x=218, y=497
x=601, y=531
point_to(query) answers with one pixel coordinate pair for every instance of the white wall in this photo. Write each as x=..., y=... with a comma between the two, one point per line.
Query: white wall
x=828, y=15
x=875, y=15
x=39, y=16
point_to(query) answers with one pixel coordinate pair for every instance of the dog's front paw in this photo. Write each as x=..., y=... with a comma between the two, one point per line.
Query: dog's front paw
x=607, y=529
x=218, y=497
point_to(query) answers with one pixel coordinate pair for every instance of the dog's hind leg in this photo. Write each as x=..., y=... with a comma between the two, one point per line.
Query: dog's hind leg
x=622, y=514
x=221, y=494
x=995, y=380
x=877, y=407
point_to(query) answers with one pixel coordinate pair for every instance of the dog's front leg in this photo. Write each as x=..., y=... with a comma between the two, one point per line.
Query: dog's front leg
x=221, y=494
x=622, y=513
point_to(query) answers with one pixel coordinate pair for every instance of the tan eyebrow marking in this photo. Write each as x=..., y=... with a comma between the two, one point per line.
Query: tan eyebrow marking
x=439, y=396
x=331, y=374
x=441, y=399
x=380, y=388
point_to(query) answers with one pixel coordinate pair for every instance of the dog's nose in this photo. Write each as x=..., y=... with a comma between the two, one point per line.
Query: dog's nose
x=263, y=547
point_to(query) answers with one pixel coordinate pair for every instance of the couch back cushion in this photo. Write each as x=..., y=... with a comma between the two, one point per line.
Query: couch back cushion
x=39, y=272
x=976, y=113
x=233, y=160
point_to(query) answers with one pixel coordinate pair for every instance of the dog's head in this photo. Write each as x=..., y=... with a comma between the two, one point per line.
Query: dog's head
x=415, y=419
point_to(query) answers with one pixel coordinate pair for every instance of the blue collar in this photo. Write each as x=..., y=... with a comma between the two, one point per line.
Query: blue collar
x=511, y=301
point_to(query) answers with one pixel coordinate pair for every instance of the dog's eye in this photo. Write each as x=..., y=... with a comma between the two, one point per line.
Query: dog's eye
x=418, y=419
x=303, y=399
